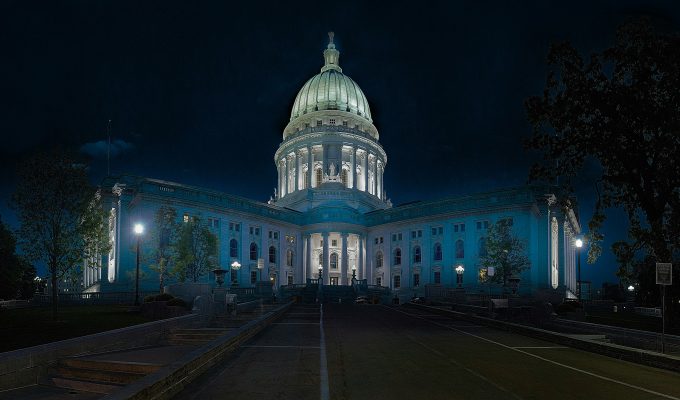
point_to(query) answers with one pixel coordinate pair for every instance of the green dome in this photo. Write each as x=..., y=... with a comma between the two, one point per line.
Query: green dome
x=331, y=90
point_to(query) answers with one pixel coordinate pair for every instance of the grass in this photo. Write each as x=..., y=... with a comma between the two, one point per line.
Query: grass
x=27, y=327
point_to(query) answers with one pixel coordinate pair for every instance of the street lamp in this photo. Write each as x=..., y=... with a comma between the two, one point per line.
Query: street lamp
x=631, y=288
x=579, y=243
x=459, y=275
x=320, y=274
x=235, y=266
x=139, y=230
x=260, y=265
x=354, y=272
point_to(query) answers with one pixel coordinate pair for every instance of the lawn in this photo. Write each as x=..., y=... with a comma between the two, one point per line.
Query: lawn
x=25, y=327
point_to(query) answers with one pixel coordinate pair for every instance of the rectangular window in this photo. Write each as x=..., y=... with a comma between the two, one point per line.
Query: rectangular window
x=434, y=231
x=397, y=281
x=394, y=237
x=420, y=233
x=486, y=224
x=440, y=230
x=276, y=235
x=455, y=228
x=381, y=240
x=231, y=226
x=270, y=234
x=318, y=122
x=378, y=281
x=479, y=225
x=253, y=276
x=213, y=222
x=252, y=230
x=416, y=280
x=462, y=227
x=332, y=121
x=413, y=234
x=290, y=279
x=307, y=125
x=344, y=123
x=257, y=231
x=437, y=277
x=375, y=240
x=334, y=242
x=399, y=236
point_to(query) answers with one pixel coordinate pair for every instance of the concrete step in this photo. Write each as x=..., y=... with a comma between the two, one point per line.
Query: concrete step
x=207, y=336
x=197, y=342
x=84, y=386
x=95, y=375
x=107, y=365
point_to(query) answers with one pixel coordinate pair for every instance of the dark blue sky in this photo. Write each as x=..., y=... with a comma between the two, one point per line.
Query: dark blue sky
x=200, y=93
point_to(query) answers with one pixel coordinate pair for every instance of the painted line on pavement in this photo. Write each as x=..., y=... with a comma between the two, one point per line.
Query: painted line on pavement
x=667, y=396
x=323, y=362
x=282, y=347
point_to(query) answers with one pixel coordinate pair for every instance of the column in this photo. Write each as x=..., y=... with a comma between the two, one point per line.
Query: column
x=375, y=177
x=297, y=170
x=310, y=167
x=353, y=163
x=360, y=267
x=324, y=162
x=305, y=258
x=278, y=169
x=285, y=175
x=364, y=170
x=344, y=261
x=310, y=262
x=326, y=259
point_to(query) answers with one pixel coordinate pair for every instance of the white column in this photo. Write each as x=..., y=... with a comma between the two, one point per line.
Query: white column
x=375, y=176
x=297, y=170
x=360, y=267
x=324, y=161
x=310, y=262
x=364, y=171
x=353, y=163
x=305, y=258
x=279, y=194
x=326, y=259
x=345, y=260
x=310, y=166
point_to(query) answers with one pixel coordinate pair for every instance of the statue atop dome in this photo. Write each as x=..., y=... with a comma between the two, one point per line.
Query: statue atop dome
x=331, y=55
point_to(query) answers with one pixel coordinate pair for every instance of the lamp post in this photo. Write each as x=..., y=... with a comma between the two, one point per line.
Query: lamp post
x=139, y=230
x=579, y=243
x=260, y=265
x=354, y=272
x=459, y=275
x=235, y=266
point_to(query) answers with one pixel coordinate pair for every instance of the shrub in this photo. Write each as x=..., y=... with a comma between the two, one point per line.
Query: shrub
x=177, y=302
x=158, y=297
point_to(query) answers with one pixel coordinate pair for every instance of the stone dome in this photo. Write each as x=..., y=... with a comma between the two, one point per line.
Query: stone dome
x=331, y=90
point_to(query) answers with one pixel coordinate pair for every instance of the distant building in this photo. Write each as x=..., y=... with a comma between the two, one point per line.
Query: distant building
x=331, y=211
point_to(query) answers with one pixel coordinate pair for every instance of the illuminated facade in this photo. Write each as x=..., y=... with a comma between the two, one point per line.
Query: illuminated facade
x=331, y=213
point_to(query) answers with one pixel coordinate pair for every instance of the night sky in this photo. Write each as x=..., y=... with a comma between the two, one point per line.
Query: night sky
x=200, y=93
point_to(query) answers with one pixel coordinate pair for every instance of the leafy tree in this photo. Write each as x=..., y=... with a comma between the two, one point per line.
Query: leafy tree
x=61, y=220
x=196, y=251
x=15, y=272
x=164, y=240
x=504, y=252
x=620, y=108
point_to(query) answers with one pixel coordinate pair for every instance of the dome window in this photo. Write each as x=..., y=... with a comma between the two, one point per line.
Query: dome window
x=332, y=121
x=318, y=122
x=344, y=123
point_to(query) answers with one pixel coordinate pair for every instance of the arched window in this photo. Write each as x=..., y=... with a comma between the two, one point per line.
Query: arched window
x=460, y=249
x=437, y=252
x=397, y=256
x=417, y=256
x=319, y=177
x=233, y=248
x=272, y=254
x=334, y=260
x=379, y=260
x=482, y=247
x=343, y=176
x=253, y=251
x=289, y=258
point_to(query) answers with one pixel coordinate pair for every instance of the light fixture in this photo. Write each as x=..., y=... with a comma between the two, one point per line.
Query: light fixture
x=139, y=229
x=236, y=265
x=579, y=243
x=631, y=288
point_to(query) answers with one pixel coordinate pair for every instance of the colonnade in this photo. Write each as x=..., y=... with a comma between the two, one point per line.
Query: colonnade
x=335, y=255
x=355, y=167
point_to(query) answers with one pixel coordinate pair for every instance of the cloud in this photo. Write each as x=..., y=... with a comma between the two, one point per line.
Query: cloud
x=98, y=149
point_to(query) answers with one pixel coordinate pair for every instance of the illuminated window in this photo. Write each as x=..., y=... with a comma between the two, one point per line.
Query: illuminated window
x=334, y=260
x=186, y=218
x=319, y=177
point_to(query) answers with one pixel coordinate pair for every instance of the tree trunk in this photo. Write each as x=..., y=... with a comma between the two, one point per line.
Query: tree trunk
x=55, y=293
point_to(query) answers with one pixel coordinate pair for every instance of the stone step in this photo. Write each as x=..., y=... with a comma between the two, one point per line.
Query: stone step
x=109, y=365
x=207, y=336
x=84, y=386
x=94, y=375
x=178, y=342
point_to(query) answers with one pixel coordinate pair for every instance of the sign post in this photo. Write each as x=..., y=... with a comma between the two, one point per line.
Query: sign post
x=664, y=277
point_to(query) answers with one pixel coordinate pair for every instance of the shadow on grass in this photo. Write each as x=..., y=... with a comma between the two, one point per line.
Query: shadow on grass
x=27, y=327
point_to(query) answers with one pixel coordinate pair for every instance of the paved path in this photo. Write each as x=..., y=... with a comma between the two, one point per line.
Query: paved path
x=378, y=352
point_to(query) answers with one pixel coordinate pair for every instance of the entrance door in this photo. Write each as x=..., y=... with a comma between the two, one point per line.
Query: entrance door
x=334, y=280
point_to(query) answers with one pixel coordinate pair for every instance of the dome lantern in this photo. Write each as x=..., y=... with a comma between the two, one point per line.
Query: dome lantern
x=331, y=55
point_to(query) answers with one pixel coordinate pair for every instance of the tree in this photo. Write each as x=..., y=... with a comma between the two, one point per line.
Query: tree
x=16, y=274
x=196, y=251
x=504, y=252
x=61, y=220
x=620, y=109
x=163, y=240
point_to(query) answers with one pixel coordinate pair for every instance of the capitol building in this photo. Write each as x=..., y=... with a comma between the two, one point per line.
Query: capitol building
x=330, y=214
